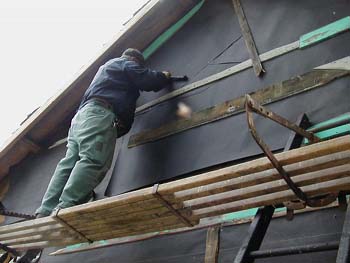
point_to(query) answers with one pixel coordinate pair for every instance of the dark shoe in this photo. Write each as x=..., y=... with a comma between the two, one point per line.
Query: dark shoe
x=93, y=197
x=38, y=215
x=31, y=256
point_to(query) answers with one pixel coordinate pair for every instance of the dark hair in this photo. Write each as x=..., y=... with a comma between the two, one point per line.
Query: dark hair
x=135, y=54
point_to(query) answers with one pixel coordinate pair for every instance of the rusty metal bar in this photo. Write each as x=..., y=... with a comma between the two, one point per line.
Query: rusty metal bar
x=252, y=106
x=257, y=108
x=156, y=194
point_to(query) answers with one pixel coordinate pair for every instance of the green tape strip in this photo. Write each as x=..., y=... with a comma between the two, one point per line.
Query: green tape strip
x=333, y=132
x=325, y=32
x=171, y=31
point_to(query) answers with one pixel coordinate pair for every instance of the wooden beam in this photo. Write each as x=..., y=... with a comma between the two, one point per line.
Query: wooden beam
x=212, y=244
x=318, y=77
x=308, y=166
x=248, y=37
x=273, y=199
x=258, y=165
x=269, y=187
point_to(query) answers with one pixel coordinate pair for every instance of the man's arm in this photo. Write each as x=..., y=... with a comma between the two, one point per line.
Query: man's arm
x=145, y=78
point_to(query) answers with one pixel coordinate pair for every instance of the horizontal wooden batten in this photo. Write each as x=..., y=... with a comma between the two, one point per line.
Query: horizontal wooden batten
x=318, y=77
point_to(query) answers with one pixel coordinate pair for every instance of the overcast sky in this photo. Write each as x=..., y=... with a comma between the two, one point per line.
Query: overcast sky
x=44, y=43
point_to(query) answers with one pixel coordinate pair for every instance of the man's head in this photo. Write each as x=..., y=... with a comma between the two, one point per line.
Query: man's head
x=135, y=55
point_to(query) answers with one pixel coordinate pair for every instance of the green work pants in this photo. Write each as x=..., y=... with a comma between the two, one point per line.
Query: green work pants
x=90, y=148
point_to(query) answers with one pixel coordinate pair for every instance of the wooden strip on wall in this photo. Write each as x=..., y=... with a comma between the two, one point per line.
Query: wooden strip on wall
x=212, y=244
x=278, y=91
x=248, y=37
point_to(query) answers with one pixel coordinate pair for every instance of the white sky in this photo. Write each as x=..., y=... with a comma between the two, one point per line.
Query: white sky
x=44, y=43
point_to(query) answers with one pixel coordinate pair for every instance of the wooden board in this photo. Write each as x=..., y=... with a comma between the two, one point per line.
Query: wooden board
x=248, y=38
x=316, y=78
x=318, y=169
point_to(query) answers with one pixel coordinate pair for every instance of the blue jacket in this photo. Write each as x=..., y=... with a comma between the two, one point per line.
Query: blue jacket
x=119, y=82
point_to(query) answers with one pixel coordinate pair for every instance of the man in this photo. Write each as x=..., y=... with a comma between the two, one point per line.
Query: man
x=105, y=113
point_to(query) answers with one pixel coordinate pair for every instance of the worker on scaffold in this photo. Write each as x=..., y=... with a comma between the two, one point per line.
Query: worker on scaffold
x=105, y=113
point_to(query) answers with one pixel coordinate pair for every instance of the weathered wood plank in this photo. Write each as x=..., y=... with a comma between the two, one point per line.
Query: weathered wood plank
x=273, y=199
x=259, y=165
x=46, y=221
x=212, y=244
x=45, y=244
x=30, y=232
x=122, y=209
x=54, y=236
x=270, y=187
x=318, y=168
x=248, y=37
x=294, y=169
x=113, y=225
x=171, y=224
x=129, y=239
x=278, y=91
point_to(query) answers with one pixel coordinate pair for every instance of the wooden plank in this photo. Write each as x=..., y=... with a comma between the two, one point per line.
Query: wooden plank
x=270, y=187
x=30, y=232
x=278, y=91
x=274, y=199
x=248, y=37
x=212, y=244
x=123, y=199
x=119, y=218
x=53, y=236
x=114, y=225
x=46, y=221
x=294, y=169
x=45, y=244
x=204, y=224
x=325, y=32
x=123, y=209
x=322, y=180
x=258, y=165
x=240, y=67
x=137, y=232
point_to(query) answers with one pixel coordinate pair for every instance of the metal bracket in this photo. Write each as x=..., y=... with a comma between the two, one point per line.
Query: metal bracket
x=156, y=194
x=253, y=106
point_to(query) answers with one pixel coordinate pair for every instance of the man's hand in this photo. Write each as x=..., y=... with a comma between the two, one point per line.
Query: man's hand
x=167, y=74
